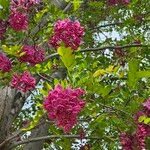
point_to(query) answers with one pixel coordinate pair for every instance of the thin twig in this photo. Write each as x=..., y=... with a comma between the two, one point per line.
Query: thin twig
x=44, y=78
x=50, y=137
x=99, y=49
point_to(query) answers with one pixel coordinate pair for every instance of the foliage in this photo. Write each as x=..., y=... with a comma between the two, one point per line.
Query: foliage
x=111, y=65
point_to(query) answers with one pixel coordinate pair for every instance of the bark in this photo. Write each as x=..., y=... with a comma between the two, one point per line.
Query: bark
x=41, y=130
x=59, y=3
x=6, y=114
x=11, y=103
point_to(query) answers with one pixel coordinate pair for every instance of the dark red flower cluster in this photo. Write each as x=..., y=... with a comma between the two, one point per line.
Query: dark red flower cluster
x=5, y=63
x=63, y=106
x=3, y=26
x=23, y=82
x=69, y=32
x=137, y=139
x=33, y=54
x=18, y=20
x=114, y=2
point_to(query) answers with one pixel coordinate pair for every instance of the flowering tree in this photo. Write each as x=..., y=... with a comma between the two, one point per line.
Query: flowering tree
x=74, y=74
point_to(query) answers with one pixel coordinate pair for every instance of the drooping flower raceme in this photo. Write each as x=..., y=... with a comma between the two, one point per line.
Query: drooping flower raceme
x=5, y=63
x=18, y=20
x=69, y=32
x=142, y=131
x=23, y=82
x=3, y=26
x=33, y=54
x=63, y=106
x=126, y=141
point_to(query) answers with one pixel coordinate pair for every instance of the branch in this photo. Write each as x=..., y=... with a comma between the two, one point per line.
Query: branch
x=44, y=78
x=50, y=137
x=99, y=49
x=115, y=109
x=20, y=132
x=112, y=47
x=107, y=25
x=112, y=108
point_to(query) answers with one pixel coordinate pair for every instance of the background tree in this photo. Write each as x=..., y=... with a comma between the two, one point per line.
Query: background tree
x=74, y=74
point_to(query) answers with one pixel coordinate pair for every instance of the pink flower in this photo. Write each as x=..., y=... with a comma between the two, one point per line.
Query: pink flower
x=23, y=4
x=147, y=104
x=5, y=63
x=69, y=32
x=142, y=132
x=63, y=106
x=23, y=82
x=3, y=26
x=126, y=141
x=33, y=54
x=18, y=20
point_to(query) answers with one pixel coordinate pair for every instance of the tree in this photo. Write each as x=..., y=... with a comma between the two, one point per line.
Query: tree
x=74, y=74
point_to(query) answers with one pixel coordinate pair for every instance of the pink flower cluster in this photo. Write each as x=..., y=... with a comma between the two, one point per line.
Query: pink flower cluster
x=18, y=20
x=5, y=63
x=3, y=26
x=23, y=4
x=126, y=141
x=23, y=82
x=33, y=54
x=137, y=139
x=69, y=32
x=63, y=106
x=114, y=2
x=142, y=132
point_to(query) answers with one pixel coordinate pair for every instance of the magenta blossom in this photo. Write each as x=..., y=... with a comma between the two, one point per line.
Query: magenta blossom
x=23, y=82
x=63, y=106
x=5, y=63
x=23, y=4
x=126, y=141
x=147, y=104
x=33, y=54
x=142, y=132
x=18, y=20
x=69, y=32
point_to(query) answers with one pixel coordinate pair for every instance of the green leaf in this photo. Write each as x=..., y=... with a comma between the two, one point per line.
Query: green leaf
x=147, y=120
x=99, y=72
x=133, y=68
x=35, y=121
x=141, y=118
x=76, y=3
x=4, y=8
x=144, y=119
x=142, y=74
x=13, y=50
x=67, y=57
